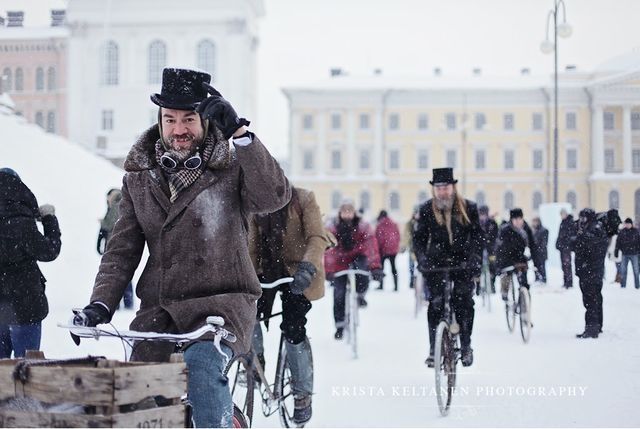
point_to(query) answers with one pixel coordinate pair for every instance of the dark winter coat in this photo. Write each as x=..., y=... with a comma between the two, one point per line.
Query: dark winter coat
x=388, y=236
x=22, y=285
x=489, y=235
x=541, y=239
x=199, y=262
x=511, y=245
x=590, y=247
x=566, y=233
x=431, y=240
x=339, y=258
x=628, y=241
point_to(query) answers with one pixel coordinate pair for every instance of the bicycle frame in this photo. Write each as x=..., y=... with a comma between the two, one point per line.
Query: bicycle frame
x=351, y=304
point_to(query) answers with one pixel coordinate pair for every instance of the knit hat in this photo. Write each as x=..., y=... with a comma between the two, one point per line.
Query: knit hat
x=516, y=213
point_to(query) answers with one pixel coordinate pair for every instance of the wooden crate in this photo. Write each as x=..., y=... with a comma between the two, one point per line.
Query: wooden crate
x=110, y=391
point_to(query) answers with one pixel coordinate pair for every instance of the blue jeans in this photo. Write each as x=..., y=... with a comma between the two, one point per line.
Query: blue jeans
x=19, y=339
x=208, y=386
x=623, y=270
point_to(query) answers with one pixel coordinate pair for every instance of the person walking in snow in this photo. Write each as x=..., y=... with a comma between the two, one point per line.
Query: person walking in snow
x=23, y=302
x=291, y=242
x=388, y=237
x=356, y=248
x=590, y=247
x=540, y=241
x=563, y=244
x=191, y=181
x=628, y=243
x=489, y=229
x=106, y=226
x=448, y=234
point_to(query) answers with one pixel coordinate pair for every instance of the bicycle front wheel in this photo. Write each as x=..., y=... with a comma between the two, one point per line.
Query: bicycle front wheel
x=445, y=367
x=524, y=305
x=353, y=323
x=239, y=371
x=510, y=306
x=283, y=389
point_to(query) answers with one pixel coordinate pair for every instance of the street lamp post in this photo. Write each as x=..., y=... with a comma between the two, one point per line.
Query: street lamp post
x=562, y=30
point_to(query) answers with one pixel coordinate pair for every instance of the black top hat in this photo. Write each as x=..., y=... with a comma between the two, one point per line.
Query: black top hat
x=515, y=213
x=443, y=176
x=182, y=89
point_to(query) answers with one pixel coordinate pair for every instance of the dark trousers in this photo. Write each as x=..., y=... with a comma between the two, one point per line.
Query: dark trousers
x=541, y=266
x=340, y=289
x=461, y=303
x=127, y=297
x=567, y=271
x=19, y=338
x=392, y=261
x=592, y=301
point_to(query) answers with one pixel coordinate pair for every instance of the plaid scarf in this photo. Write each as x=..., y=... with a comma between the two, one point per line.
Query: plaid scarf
x=181, y=179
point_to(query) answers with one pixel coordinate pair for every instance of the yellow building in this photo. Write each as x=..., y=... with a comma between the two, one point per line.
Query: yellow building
x=376, y=138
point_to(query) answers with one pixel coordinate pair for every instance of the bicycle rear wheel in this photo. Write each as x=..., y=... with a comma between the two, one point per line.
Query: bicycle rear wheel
x=353, y=321
x=239, y=419
x=241, y=382
x=419, y=294
x=445, y=367
x=524, y=304
x=283, y=389
x=510, y=305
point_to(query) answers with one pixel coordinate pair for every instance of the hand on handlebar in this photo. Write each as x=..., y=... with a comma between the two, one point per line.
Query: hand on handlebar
x=92, y=315
x=377, y=274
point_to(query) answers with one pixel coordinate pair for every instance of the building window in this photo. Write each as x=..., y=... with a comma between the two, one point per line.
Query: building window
x=365, y=200
x=336, y=199
x=51, y=79
x=508, y=121
x=570, y=120
x=614, y=200
x=451, y=158
x=365, y=159
x=537, y=159
x=423, y=159
x=19, y=83
x=107, y=120
x=51, y=122
x=157, y=61
x=536, y=121
x=307, y=160
x=635, y=160
x=480, y=159
x=394, y=200
x=609, y=160
x=609, y=120
x=537, y=199
x=6, y=81
x=394, y=121
x=206, y=53
x=508, y=200
x=109, y=63
x=394, y=159
x=423, y=121
x=307, y=122
x=364, y=121
x=450, y=119
x=336, y=159
x=422, y=197
x=481, y=200
x=336, y=121
x=39, y=79
x=481, y=121
x=635, y=118
x=572, y=159
x=509, y=159
x=572, y=199
x=40, y=119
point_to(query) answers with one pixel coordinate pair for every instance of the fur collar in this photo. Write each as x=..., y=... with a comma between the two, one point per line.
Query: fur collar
x=142, y=155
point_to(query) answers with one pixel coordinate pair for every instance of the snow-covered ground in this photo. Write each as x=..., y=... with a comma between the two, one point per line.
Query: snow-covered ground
x=555, y=380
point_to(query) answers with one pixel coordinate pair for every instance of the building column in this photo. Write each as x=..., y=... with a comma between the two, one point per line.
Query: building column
x=378, y=155
x=626, y=139
x=297, y=163
x=351, y=158
x=322, y=145
x=597, y=135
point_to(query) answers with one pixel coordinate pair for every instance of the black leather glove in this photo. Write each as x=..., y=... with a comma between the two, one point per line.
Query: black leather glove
x=377, y=274
x=302, y=278
x=92, y=315
x=215, y=108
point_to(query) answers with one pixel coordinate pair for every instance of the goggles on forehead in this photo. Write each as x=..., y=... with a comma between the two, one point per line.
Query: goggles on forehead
x=191, y=163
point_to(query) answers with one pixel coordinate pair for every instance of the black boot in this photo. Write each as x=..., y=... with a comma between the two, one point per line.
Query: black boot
x=339, y=334
x=467, y=356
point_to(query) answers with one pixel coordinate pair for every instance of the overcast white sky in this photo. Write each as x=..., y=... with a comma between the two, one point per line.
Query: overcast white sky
x=301, y=39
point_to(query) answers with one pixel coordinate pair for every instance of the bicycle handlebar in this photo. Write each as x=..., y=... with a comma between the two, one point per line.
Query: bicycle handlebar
x=277, y=283
x=514, y=267
x=446, y=269
x=352, y=271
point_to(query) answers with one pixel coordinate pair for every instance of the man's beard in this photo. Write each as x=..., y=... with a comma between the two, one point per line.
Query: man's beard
x=182, y=154
x=445, y=204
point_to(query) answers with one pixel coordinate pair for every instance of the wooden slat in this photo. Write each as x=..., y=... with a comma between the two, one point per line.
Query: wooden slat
x=7, y=388
x=133, y=384
x=19, y=419
x=164, y=417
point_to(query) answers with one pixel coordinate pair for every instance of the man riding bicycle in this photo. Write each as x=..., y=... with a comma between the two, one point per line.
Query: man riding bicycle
x=513, y=238
x=291, y=242
x=185, y=195
x=448, y=235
